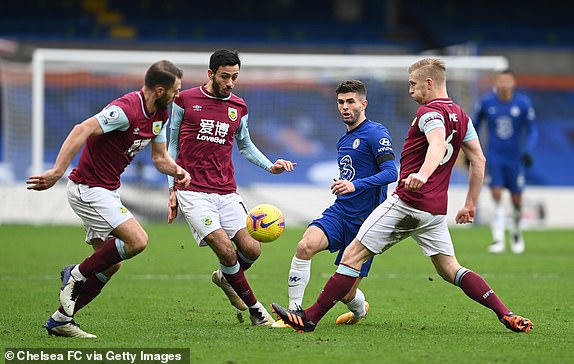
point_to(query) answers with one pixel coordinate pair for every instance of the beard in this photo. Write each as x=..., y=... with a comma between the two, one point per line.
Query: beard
x=217, y=90
x=162, y=103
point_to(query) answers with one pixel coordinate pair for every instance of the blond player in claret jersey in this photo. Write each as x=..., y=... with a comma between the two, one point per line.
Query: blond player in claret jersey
x=206, y=120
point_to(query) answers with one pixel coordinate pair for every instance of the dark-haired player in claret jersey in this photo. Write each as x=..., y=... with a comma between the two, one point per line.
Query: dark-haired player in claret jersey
x=419, y=205
x=204, y=124
x=111, y=139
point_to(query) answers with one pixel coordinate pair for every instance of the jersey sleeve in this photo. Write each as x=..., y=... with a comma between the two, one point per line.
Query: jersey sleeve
x=531, y=128
x=173, y=145
x=471, y=133
x=382, y=149
x=113, y=118
x=248, y=149
x=162, y=136
x=430, y=120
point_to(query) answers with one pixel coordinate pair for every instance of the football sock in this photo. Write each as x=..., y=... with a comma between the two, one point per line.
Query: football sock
x=299, y=275
x=498, y=222
x=243, y=261
x=60, y=316
x=357, y=305
x=112, y=252
x=91, y=288
x=237, y=280
x=516, y=215
x=476, y=288
x=336, y=288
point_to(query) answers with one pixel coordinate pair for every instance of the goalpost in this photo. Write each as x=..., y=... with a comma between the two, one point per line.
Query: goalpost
x=291, y=101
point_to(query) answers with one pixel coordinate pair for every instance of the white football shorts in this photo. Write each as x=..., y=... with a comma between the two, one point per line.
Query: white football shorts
x=207, y=212
x=393, y=221
x=100, y=209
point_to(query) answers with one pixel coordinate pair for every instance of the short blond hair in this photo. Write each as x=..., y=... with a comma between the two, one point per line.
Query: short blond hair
x=430, y=68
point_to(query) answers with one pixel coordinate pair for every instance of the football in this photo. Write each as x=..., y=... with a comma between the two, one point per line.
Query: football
x=265, y=223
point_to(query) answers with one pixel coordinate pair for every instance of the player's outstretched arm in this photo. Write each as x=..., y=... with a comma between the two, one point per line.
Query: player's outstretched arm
x=71, y=146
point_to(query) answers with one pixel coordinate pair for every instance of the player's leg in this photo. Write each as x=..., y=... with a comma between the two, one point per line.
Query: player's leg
x=436, y=243
x=222, y=246
x=355, y=299
x=497, y=225
x=357, y=305
x=516, y=187
x=313, y=241
x=102, y=212
x=375, y=236
x=233, y=214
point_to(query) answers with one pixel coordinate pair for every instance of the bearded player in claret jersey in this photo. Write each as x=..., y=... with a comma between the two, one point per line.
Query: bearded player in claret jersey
x=204, y=124
x=111, y=138
x=419, y=205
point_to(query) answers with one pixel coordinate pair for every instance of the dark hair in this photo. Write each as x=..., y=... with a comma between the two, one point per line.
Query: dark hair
x=506, y=71
x=162, y=73
x=352, y=86
x=223, y=57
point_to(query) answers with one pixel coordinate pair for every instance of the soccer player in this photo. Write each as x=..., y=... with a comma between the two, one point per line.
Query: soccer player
x=111, y=139
x=204, y=124
x=366, y=166
x=510, y=118
x=418, y=206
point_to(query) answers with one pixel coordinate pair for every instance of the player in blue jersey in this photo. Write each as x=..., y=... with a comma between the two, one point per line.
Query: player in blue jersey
x=366, y=166
x=512, y=136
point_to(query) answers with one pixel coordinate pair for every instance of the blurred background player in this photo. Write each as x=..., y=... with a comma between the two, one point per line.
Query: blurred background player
x=512, y=136
x=205, y=122
x=366, y=166
x=419, y=205
x=111, y=138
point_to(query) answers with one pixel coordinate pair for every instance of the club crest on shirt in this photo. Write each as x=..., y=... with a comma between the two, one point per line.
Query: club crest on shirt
x=232, y=113
x=156, y=127
x=356, y=143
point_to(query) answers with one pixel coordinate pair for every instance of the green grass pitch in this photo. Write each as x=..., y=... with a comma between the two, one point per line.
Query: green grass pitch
x=164, y=298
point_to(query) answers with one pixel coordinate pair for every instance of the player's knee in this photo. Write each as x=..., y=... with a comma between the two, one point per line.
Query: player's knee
x=253, y=251
x=306, y=249
x=136, y=244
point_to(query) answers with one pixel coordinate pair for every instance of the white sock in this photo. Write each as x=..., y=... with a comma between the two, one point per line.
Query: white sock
x=357, y=305
x=516, y=216
x=299, y=275
x=498, y=223
x=77, y=275
x=60, y=317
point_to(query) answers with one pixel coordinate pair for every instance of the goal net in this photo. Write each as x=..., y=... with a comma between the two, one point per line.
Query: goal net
x=291, y=100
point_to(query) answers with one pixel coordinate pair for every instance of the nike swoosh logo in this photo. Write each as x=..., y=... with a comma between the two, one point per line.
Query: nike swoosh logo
x=292, y=285
x=265, y=226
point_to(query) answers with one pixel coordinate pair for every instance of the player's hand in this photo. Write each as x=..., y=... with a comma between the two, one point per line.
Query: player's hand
x=182, y=177
x=465, y=215
x=342, y=186
x=414, y=182
x=527, y=159
x=43, y=181
x=281, y=165
x=171, y=206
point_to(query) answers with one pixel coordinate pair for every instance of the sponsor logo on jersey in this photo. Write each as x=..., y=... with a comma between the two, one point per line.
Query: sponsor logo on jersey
x=386, y=145
x=232, y=113
x=156, y=127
